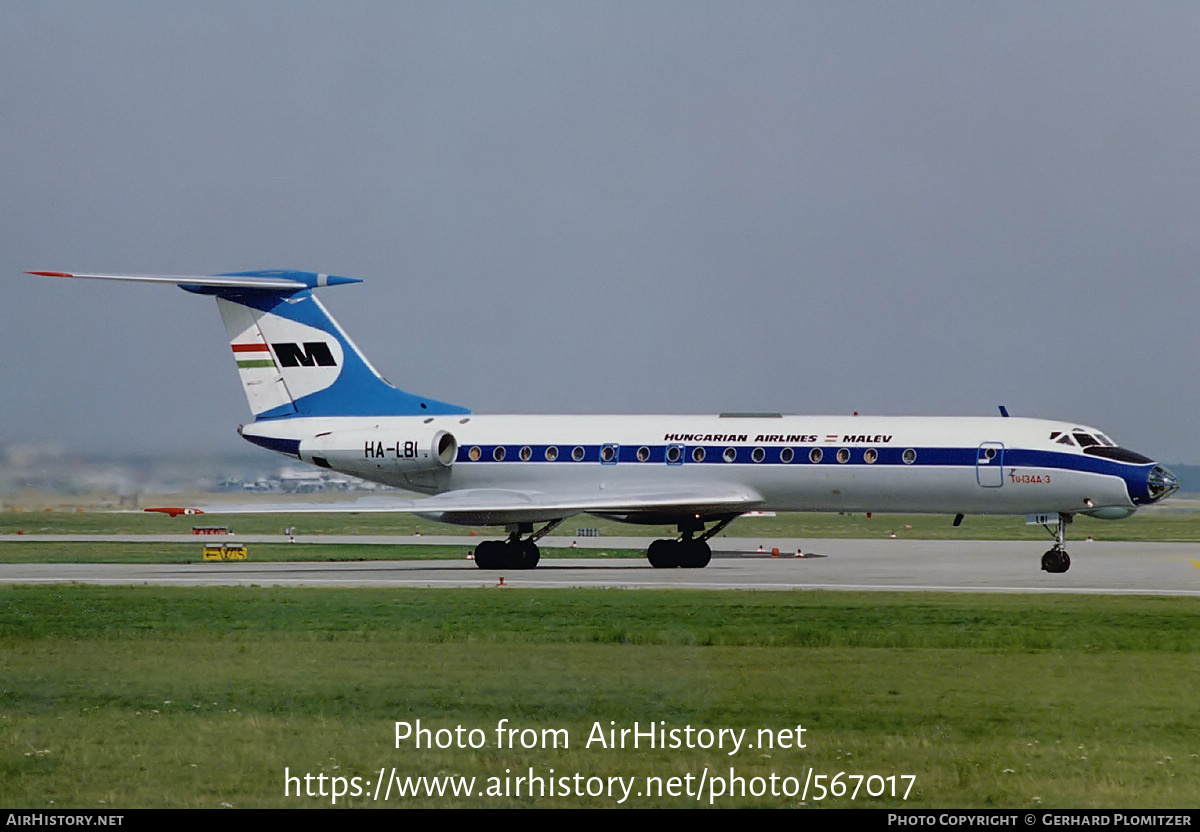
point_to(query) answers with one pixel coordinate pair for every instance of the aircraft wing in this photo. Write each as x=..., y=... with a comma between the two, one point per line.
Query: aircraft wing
x=499, y=506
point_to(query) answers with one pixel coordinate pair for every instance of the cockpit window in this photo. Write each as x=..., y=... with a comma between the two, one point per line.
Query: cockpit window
x=1083, y=438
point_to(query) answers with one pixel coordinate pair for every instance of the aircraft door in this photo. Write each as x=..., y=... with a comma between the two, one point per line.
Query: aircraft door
x=989, y=465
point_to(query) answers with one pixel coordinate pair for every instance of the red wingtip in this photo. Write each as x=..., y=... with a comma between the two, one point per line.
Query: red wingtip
x=52, y=274
x=175, y=511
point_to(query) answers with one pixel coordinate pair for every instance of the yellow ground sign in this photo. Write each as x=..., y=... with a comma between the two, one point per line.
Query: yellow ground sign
x=225, y=551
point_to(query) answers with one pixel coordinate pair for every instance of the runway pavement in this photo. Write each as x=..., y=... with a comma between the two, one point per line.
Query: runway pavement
x=873, y=565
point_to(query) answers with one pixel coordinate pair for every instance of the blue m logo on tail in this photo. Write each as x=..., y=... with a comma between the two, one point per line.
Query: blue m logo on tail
x=308, y=354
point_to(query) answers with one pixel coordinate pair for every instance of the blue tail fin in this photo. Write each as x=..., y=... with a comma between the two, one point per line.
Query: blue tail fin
x=294, y=359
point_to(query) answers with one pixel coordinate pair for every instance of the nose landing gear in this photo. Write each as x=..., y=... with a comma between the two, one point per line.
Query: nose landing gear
x=1056, y=559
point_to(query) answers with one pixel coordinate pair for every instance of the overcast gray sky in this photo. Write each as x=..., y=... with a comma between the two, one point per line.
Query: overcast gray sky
x=902, y=208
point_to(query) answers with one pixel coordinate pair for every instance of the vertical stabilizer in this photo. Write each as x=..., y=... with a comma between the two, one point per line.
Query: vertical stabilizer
x=294, y=360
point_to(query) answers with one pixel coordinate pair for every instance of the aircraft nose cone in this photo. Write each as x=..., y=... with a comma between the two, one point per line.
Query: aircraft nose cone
x=1161, y=483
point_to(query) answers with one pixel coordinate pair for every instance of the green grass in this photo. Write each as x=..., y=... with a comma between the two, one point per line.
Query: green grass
x=126, y=697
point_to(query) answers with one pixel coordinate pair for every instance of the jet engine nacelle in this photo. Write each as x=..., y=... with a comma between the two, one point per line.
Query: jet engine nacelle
x=410, y=458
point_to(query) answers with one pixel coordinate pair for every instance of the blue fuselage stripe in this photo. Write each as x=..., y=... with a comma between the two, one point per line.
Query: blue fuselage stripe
x=1133, y=474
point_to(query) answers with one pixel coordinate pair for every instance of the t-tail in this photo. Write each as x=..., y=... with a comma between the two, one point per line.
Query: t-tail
x=293, y=358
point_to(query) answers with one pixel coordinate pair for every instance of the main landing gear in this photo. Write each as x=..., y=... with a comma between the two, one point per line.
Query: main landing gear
x=520, y=550
x=688, y=552
x=515, y=553
x=1057, y=559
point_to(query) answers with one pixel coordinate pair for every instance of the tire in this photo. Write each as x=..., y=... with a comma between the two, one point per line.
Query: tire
x=525, y=554
x=696, y=554
x=1056, y=561
x=489, y=554
x=663, y=554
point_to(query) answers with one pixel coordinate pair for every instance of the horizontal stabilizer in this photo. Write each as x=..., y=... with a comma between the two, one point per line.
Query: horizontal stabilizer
x=274, y=280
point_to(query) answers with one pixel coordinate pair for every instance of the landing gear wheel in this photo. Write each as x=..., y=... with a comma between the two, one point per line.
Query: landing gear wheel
x=525, y=554
x=689, y=554
x=1056, y=561
x=490, y=554
x=518, y=552
x=507, y=554
x=695, y=554
x=663, y=554
x=687, y=551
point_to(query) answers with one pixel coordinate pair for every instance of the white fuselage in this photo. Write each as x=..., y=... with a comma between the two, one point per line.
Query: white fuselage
x=795, y=463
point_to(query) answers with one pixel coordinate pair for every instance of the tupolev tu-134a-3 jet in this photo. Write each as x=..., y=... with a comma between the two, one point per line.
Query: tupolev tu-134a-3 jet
x=316, y=398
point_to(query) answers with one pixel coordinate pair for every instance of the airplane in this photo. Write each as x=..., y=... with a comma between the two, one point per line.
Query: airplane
x=316, y=398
